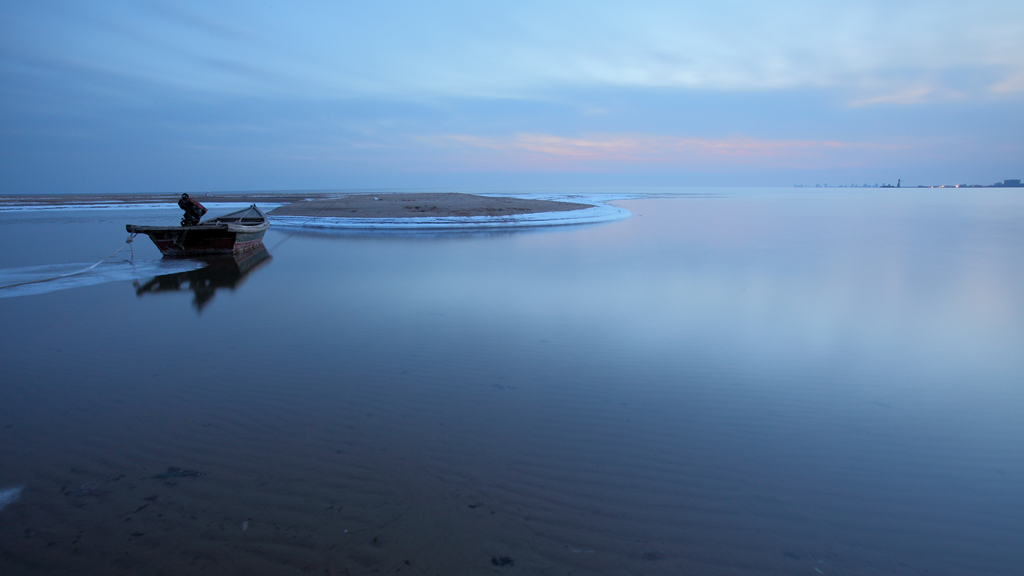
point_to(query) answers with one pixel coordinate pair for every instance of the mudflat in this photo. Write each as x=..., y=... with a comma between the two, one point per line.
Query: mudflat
x=421, y=205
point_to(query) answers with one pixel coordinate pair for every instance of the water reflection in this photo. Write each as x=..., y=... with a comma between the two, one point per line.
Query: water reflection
x=749, y=384
x=220, y=272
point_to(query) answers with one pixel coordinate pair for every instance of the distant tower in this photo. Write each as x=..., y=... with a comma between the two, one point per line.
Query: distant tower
x=897, y=182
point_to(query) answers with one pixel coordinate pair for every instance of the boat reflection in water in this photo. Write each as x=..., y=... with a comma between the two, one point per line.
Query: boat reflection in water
x=220, y=272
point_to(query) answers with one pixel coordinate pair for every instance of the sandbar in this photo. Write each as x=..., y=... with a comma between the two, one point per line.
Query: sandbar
x=422, y=205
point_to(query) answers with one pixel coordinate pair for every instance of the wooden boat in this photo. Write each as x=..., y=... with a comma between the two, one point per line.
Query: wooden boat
x=228, y=234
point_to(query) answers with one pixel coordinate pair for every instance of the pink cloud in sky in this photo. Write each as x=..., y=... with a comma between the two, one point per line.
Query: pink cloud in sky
x=551, y=152
x=1011, y=84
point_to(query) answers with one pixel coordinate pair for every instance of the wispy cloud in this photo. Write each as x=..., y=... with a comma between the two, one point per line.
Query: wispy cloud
x=1014, y=83
x=599, y=150
x=323, y=50
x=329, y=89
x=909, y=96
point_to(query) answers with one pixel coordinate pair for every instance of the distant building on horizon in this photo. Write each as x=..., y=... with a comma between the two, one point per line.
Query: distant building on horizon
x=1009, y=183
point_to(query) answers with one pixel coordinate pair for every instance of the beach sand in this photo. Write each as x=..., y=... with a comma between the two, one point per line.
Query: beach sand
x=420, y=205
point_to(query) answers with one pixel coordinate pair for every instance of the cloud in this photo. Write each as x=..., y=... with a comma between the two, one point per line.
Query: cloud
x=456, y=48
x=599, y=151
x=909, y=96
x=1011, y=84
x=237, y=94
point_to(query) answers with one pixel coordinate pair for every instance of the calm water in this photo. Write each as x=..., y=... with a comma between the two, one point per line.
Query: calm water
x=729, y=382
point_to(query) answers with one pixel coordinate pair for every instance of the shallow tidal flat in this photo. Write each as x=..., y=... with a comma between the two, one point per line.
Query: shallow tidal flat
x=745, y=383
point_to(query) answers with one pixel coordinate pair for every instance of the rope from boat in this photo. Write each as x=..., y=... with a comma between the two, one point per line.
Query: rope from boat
x=317, y=215
x=128, y=242
x=181, y=241
x=282, y=241
x=325, y=209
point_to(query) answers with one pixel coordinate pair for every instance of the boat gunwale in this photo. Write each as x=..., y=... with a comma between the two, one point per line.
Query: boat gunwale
x=213, y=224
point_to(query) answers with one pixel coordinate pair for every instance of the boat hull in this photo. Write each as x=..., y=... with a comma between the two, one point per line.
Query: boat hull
x=180, y=242
x=235, y=233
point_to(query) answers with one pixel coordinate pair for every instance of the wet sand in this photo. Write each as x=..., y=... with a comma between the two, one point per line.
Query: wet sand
x=419, y=205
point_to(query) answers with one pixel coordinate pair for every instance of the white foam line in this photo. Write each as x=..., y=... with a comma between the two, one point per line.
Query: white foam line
x=9, y=495
x=596, y=214
x=31, y=280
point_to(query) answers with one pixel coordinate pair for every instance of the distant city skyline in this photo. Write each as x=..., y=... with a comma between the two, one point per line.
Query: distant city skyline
x=189, y=96
x=1007, y=183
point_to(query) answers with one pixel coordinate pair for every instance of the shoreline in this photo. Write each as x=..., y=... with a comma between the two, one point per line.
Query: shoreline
x=367, y=211
x=327, y=204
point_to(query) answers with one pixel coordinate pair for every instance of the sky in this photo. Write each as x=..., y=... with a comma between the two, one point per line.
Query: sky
x=151, y=96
